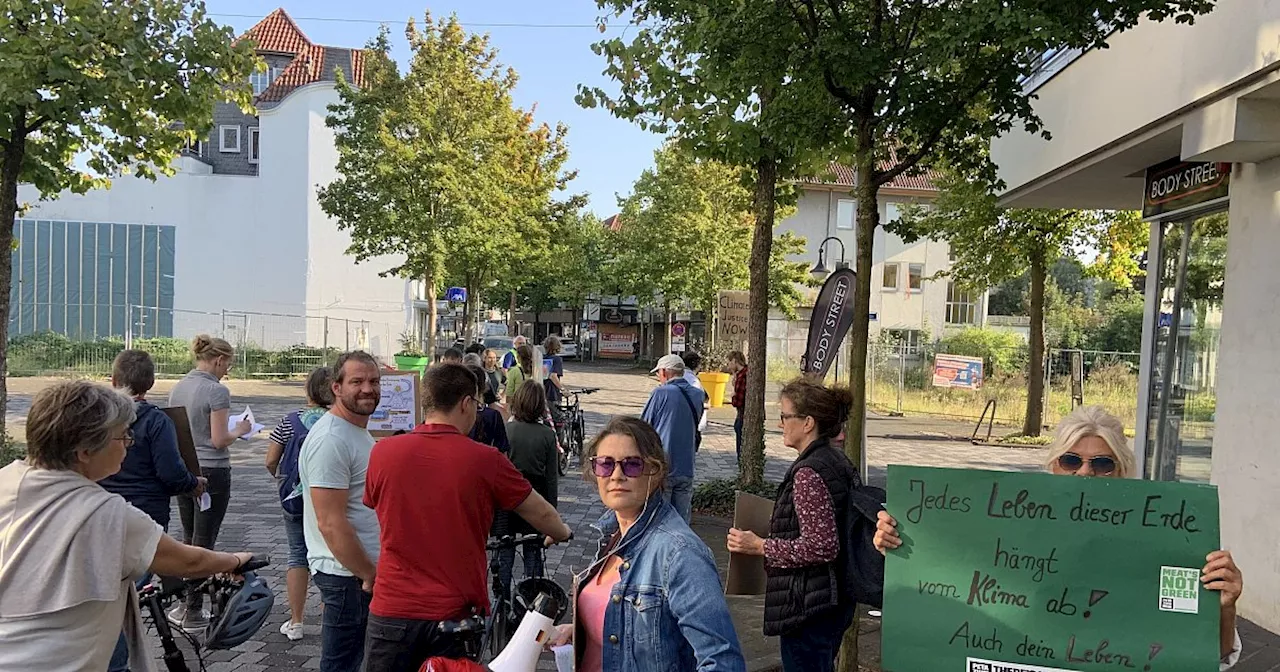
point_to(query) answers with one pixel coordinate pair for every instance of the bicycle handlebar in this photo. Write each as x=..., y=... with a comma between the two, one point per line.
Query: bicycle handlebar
x=512, y=541
x=582, y=390
x=256, y=562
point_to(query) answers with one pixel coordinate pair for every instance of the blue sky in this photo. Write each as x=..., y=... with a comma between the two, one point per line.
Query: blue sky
x=608, y=153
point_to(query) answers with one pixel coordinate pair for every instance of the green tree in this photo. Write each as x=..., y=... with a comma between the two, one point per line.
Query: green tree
x=991, y=245
x=122, y=85
x=431, y=159
x=719, y=76
x=1120, y=322
x=687, y=224
x=920, y=82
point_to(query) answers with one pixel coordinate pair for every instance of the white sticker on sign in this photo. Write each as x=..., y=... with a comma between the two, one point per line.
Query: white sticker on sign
x=1180, y=590
x=978, y=665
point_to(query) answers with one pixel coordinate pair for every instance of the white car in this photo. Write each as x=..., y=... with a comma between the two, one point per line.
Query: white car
x=568, y=349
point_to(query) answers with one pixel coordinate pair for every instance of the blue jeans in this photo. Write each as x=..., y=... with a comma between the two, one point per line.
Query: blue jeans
x=297, y=540
x=120, y=657
x=813, y=646
x=532, y=553
x=346, y=614
x=737, y=433
x=680, y=494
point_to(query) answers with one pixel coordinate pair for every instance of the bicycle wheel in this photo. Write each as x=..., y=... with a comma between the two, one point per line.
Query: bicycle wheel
x=579, y=435
x=500, y=630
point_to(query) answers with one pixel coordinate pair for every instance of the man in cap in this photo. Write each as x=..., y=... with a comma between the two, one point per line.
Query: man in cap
x=674, y=410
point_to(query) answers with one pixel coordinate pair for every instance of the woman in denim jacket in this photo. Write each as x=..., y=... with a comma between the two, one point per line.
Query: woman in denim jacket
x=652, y=600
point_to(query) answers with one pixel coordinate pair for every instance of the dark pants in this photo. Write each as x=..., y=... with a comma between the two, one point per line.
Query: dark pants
x=813, y=646
x=737, y=433
x=346, y=614
x=403, y=644
x=200, y=528
x=532, y=552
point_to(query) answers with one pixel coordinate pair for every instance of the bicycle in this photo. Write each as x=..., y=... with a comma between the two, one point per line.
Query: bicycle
x=503, y=618
x=155, y=597
x=571, y=426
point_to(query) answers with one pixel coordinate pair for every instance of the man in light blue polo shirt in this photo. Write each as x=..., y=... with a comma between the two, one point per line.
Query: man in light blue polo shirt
x=674, y=410
x=341, y=532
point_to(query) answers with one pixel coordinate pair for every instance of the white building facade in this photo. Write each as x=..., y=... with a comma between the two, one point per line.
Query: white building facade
x=238, y=228
x=909, y=299
x=1183, y=121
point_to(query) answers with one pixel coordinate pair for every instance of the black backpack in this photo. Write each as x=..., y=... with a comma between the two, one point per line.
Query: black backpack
x=864, y=565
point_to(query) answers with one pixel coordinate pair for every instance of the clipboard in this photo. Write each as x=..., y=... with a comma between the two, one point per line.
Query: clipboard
x=746, y=572
x=401, y=406
x=186, y=443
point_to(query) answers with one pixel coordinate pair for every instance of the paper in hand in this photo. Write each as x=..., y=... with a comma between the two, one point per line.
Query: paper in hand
x=247, y=415
x=205, y=501
x=564, y=657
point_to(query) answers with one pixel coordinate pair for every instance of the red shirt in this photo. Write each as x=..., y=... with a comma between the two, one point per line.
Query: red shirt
x=739, y=388
x=435, y=492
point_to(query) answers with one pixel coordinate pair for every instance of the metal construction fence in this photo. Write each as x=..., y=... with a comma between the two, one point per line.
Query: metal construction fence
x=267, y=344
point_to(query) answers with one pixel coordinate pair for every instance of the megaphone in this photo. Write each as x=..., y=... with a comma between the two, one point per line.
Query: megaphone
x=536, y=629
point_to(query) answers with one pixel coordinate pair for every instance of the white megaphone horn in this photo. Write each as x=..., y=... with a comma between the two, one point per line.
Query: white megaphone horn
x=536, y=629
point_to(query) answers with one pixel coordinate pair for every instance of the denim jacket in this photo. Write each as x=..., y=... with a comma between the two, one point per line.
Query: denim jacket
x=667, y=613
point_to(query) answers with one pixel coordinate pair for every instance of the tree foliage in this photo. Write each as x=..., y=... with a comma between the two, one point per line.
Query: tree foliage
x=121, y=85
x=439, y=171
x=990, y=245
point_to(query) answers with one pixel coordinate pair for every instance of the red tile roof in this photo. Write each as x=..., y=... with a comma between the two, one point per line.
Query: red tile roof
x=841, y=175
x=613, y=223
x=277, y=33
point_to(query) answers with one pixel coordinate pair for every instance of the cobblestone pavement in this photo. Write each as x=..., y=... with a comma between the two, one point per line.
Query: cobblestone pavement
x=253, y=521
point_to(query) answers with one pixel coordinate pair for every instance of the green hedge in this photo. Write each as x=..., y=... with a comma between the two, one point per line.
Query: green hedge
x=54, y=354
x=717, y=497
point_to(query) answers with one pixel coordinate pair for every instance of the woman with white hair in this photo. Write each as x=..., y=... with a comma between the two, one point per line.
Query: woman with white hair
x=1090, y=442
x=72, y=549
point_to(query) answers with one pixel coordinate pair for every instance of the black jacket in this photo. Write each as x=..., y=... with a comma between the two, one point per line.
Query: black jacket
x=153, y=470
x=798, y=595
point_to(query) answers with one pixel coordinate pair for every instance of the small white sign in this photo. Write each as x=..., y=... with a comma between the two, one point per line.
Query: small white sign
x=1180, y=590
x=979, y=665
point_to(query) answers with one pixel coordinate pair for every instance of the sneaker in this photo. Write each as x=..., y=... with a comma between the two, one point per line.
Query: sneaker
x=291, y=630
x=195, y=622
x=177, y=615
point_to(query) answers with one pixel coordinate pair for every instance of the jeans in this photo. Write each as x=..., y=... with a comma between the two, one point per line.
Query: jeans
x=120, y=657
x=297, y=541
x=737, y=433
x=200, y=528
x=346, y=614
x=532, y=552
x=812, y=647
x=680, y=494
x=403, y=644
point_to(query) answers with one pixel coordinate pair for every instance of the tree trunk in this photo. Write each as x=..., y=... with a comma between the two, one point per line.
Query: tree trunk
x=1035, y=374
x=764, y=202
x=431, y=317
x=14, y=152
x=859, y=334
x=511, y=315
x=666, y=311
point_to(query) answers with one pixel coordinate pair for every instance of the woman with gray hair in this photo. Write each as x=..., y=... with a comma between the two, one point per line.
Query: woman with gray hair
x=74, y=550
x=1090, y=442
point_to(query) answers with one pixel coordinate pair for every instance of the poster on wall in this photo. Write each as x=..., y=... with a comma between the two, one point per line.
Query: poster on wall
x=1016, y=572
x=957, y=371
x=401, y=404
x=615, y=344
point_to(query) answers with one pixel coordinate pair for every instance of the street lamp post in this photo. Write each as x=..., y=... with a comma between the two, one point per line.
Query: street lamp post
x=820, y=273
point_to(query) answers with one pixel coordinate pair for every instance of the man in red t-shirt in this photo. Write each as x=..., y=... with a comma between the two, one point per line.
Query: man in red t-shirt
x=435, y=492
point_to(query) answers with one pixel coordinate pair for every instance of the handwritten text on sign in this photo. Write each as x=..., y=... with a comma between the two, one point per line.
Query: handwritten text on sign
x=1010, y=571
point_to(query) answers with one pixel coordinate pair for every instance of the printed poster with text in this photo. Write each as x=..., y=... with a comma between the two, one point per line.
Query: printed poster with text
x=1015, y=572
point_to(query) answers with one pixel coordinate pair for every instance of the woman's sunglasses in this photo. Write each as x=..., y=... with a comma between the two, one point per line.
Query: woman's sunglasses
x=1100, y=464
x=603, y=467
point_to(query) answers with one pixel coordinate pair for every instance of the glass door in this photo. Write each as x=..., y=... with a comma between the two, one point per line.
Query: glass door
x=1183, y=394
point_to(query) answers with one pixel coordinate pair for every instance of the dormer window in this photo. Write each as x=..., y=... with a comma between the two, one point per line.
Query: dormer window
x=262, y=80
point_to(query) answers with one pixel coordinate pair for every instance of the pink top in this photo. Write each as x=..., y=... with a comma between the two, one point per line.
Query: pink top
x=592, y=602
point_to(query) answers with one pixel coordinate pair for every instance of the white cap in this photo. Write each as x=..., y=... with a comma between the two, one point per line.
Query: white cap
x=669, y=363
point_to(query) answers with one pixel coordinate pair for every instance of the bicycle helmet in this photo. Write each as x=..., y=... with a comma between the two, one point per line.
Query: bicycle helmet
x=244, y=614
x=526, y=595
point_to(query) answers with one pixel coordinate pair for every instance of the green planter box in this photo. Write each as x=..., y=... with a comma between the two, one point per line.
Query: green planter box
x=418, y=364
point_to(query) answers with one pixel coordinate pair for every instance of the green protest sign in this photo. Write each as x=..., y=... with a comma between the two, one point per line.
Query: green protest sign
x=1013, y=572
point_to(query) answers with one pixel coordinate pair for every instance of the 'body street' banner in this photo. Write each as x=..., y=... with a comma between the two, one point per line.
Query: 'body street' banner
x=832, y=317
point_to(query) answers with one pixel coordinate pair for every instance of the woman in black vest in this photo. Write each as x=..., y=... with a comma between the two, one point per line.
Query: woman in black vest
x=804, y=554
